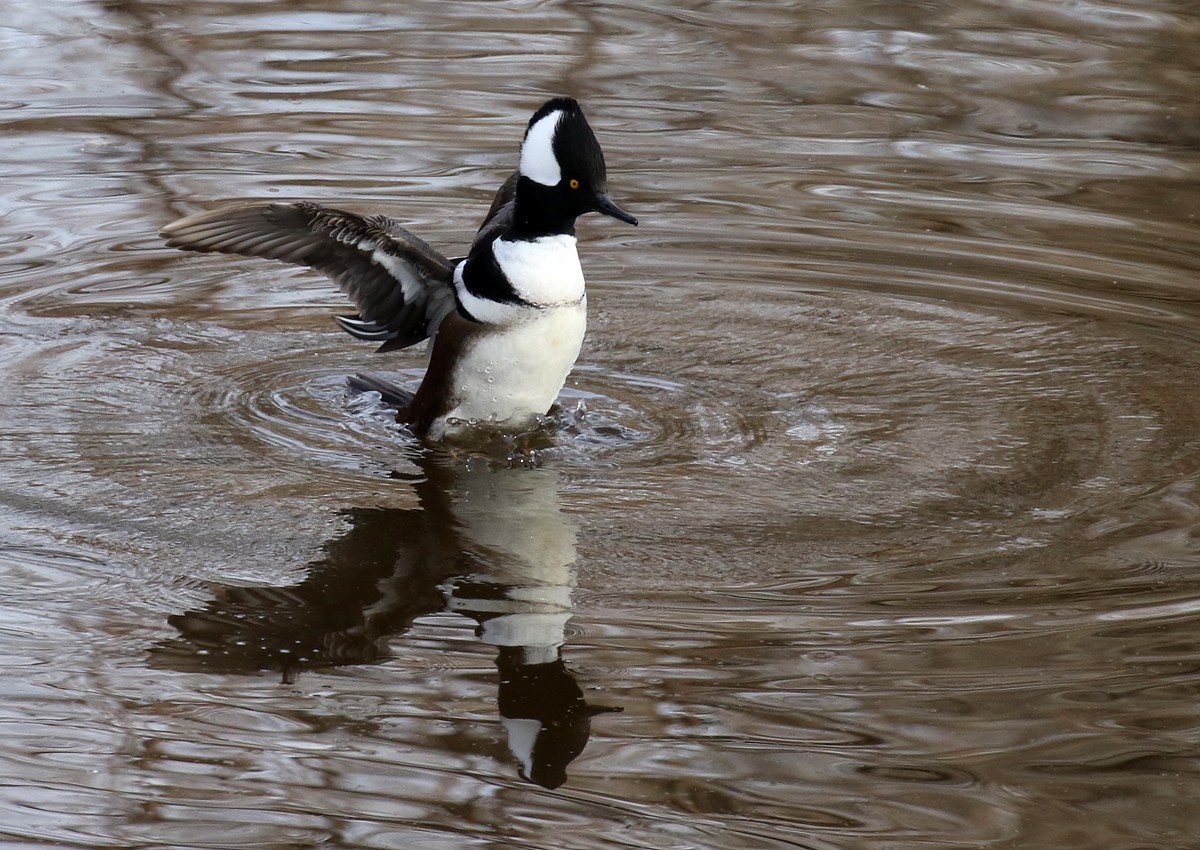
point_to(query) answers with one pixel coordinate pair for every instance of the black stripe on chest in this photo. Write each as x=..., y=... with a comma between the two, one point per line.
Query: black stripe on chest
x=483, y=278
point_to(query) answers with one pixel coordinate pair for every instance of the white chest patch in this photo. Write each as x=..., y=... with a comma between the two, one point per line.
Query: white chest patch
x=514, y=373
x=543, y=271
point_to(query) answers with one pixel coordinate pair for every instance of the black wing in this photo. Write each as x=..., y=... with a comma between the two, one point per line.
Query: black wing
x=500, y=215
x=401, y=286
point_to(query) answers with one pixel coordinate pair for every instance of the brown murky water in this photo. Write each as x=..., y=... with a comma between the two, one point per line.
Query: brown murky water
x=871, y=516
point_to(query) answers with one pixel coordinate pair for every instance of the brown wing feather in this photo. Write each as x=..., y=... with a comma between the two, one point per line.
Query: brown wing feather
x=401, y=286
x=500, y=214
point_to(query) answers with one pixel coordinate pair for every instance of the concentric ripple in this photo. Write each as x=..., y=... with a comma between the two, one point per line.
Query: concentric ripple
x=863, y=410
x=302, y=414
x=854, y=408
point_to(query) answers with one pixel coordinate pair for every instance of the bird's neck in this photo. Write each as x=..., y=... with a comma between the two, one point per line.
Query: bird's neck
x=537, y=212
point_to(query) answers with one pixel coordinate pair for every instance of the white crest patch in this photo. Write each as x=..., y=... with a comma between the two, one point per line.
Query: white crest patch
x=538, y=162
x=522, y=738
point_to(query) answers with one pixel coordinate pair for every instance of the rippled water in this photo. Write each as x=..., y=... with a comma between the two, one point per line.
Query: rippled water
x=869, y=517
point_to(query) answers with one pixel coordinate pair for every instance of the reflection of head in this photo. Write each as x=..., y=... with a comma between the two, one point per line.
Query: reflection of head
x=545, y=715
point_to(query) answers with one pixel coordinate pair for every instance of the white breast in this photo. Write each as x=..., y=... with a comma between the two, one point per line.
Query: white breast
x=543, y=271
x=514, y=372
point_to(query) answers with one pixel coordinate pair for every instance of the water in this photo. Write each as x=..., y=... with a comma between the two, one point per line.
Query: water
x=870, y=517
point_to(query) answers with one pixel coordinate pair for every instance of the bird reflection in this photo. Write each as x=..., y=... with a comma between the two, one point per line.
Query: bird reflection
x=488, y=541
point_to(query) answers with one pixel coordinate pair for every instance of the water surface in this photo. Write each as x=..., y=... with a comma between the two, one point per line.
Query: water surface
x=870, y=515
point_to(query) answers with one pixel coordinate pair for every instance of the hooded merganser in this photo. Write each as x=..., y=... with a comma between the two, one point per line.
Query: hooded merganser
x=507, y=321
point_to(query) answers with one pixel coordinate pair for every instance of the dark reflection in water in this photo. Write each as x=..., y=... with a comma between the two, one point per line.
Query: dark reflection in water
x=488, y=541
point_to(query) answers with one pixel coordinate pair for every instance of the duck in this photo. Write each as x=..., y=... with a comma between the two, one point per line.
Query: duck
x=505, y=323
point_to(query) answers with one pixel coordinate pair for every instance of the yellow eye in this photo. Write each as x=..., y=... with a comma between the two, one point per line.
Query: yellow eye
x=573, y=183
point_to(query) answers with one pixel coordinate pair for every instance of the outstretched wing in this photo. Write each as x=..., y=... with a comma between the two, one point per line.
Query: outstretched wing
x=402, y=287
